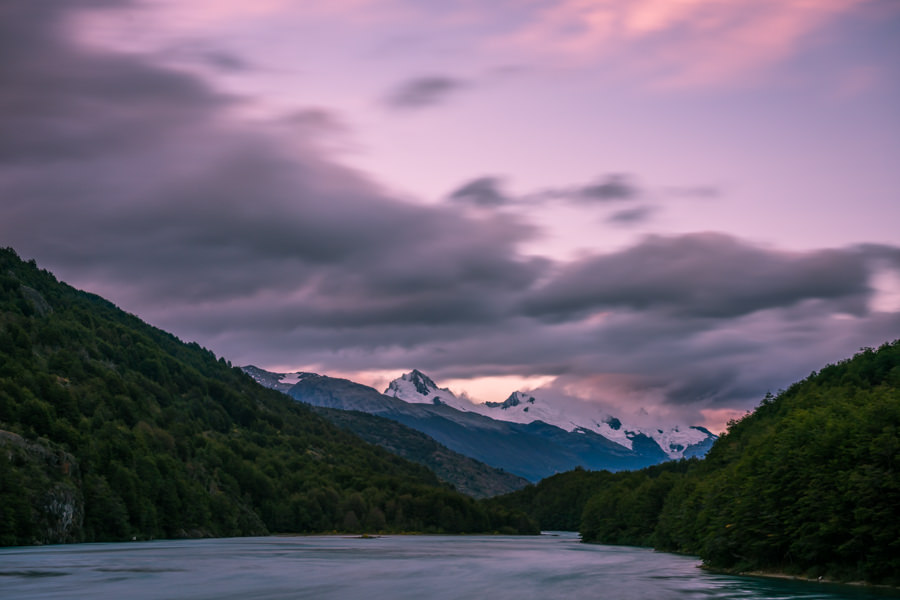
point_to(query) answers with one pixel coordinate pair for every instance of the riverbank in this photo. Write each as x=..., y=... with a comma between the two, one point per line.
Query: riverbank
x=801, y=578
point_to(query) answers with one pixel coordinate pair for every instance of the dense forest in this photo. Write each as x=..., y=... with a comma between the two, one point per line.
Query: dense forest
x=808, y=484
x=557, y=503
x=111, y=429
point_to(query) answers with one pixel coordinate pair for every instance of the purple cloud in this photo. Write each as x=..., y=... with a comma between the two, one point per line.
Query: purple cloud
x=423, y=92
x=613, y=188
x=484, y=191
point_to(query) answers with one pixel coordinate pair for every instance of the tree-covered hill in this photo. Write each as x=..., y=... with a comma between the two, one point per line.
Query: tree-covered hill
x=111, y=429
x=467, y=475
x=809, y=484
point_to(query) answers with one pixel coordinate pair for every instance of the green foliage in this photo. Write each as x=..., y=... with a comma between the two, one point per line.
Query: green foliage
x=627, y=510
x=162, y=439
x=557, y=502
x=807, y=484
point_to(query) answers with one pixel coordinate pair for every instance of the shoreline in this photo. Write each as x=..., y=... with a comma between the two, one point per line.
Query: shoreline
x=801, y=578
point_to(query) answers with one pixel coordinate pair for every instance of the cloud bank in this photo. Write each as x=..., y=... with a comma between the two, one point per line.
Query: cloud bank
x=140, y=183
x=698, y=43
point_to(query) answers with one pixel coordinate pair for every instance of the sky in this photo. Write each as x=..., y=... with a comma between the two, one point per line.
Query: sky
x=667, y=208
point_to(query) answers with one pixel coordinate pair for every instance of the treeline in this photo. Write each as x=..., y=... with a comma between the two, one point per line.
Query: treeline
x=557, y=502
x=111, y=429
x=807, y=484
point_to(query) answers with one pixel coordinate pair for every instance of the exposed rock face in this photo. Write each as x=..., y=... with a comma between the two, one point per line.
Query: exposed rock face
x=63, y=510
x=54, y=492
x=515, y=399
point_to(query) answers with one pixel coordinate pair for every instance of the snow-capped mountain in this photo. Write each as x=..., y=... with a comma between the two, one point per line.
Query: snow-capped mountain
x=533, y=450
x=277, y=381
x=523, y=407
x=418, y=388
x=527, y=434
x=526, y=407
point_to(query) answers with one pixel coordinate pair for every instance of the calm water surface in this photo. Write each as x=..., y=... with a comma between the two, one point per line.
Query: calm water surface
x=391, y=567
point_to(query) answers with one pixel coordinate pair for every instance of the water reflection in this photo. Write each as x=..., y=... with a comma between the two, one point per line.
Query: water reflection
x=392, y=567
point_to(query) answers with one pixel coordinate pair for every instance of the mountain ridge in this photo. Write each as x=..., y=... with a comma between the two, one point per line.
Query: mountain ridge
x=679, y=441
x=533, y=450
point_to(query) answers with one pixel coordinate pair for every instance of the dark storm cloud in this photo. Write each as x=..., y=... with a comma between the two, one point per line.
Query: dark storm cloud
x=632, y=216
x=613, y=188
x=734, y=365
x=709, y=275
x=131, y=176
x=137, y=182
x=423, y=92
x=886, y=255
x=50, y=88
x=610, y=189
x=484, y=191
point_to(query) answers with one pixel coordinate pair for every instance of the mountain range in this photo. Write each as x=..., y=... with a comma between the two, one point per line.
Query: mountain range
x=523, y=435
x=526, y=407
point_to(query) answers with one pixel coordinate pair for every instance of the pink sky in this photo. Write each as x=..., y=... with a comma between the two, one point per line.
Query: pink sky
x=496, y=193
x=786, y=106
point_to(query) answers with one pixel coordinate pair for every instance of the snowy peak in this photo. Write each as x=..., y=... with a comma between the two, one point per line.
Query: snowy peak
x=612, y=429
x=526, y=407
x=515, y=399
x=532, y=433
x=277, y=381
x=419, y=388
x=678, y=442
x=422, y=382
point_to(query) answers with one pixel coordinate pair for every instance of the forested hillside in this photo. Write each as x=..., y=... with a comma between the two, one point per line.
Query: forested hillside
x=111, y=429
x=806, y=484
x=467, y=475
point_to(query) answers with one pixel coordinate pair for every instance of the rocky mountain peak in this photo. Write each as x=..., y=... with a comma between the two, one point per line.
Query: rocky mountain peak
x=422, y=382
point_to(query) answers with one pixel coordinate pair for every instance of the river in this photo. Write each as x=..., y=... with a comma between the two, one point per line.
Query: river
x=390, y=567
